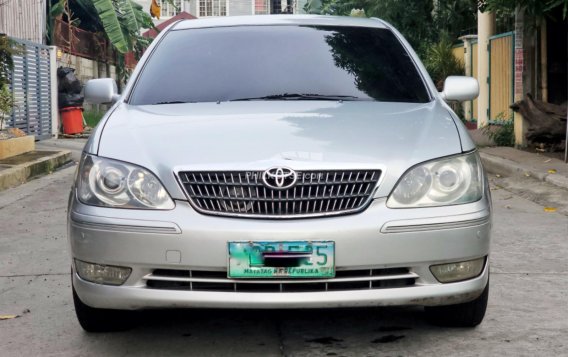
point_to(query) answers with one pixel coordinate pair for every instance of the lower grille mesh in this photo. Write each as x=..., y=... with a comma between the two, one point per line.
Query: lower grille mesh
x=197, y=280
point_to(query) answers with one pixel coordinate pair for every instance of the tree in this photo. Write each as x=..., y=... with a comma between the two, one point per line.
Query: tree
x=422, y=22
x=441, y=62
x=533, y=8
x=120, y=20
x=412, y=18
x=7, y=50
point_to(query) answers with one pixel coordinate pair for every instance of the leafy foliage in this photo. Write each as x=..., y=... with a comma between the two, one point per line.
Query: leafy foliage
x=502, y=134
x=535, y=8
x=412, y=18
x=6, y=104
x=108, y=12
x=92, y=117
x=7, y=50
x=441, y=62
x=419, y=21
x=120, y=20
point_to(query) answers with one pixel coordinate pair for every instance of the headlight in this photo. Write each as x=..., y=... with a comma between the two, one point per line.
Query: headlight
x=111, y=183
x=449, y=181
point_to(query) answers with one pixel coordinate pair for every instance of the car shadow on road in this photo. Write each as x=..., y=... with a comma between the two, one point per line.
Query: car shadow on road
x=271, y=332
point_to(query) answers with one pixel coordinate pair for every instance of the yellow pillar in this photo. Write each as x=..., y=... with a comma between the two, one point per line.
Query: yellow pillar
x=485, y=29
x=468, y=65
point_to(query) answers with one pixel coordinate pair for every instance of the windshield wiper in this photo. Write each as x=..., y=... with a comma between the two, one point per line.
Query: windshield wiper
x=172, y=102
x=300, y=96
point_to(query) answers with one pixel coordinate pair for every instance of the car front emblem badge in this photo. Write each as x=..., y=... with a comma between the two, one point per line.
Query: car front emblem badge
x=279, y=178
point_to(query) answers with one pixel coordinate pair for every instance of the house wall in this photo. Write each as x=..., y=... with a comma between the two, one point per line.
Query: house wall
x=235, y=7
x=23, y=19
x=86, y=69
x=240, y=7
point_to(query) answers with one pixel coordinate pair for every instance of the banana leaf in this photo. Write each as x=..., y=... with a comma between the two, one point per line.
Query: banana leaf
x=143, y=18
x=109, y=12
x=127, y=15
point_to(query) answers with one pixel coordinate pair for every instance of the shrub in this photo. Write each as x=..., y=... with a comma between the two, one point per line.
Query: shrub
x=503, y=133
x=92, y=117
x=441, y=62
x=6, y=104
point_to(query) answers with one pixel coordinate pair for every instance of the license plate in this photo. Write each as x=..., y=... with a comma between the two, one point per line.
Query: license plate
x=281, y=259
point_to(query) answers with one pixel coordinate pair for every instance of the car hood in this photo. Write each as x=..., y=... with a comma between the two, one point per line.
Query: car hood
x=257, y=135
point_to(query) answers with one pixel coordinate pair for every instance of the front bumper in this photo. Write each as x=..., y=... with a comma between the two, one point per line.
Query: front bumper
x=378, y=238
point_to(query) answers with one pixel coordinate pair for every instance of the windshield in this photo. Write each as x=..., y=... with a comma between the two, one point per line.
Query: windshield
x=279, y=63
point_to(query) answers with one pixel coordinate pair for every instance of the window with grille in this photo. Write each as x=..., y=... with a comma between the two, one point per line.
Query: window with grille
x=169, y=10
x=212, y=8
x=261, y=7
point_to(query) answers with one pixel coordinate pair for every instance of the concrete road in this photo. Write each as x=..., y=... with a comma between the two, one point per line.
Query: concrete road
x=527, y=314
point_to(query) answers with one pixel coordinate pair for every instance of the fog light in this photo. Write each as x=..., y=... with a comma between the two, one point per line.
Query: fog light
x=102, y=274
x=448, y=273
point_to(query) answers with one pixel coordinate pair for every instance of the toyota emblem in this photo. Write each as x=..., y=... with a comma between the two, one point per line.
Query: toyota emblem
x=279, y=178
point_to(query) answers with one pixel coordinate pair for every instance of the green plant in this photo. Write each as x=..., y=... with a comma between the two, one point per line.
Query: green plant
x=120, y=20
x=92, y=117
x=422, y=22
x=6, y=104
x=8, y=49
x=536, y=8
x=441, y=62
x=502, y=132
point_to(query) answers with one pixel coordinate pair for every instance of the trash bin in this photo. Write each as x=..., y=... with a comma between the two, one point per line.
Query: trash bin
x=72, y=119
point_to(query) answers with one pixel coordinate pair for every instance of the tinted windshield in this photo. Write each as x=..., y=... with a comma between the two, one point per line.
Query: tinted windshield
x=279, y=63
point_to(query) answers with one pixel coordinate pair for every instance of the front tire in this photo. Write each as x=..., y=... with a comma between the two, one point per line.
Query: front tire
x=102, y=320
x=469, y=314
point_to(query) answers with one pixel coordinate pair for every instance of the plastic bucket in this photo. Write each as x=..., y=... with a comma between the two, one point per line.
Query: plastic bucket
x=72, y=118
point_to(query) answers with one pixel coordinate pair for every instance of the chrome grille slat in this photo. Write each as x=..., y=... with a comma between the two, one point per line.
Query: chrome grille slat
x=281, y=281
x=316, y=193
x=217, y=281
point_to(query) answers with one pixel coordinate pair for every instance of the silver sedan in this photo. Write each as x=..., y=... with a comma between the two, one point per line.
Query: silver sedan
x=279, y=162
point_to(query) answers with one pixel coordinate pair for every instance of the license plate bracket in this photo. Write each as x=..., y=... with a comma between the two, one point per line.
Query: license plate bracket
x=281, y=259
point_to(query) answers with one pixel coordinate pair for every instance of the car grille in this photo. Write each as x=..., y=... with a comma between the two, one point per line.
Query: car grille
x=199, y=280
x=316, y=193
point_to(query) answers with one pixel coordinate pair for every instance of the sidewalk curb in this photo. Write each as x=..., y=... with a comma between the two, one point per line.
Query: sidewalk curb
x=19, y=174
x=499, y=165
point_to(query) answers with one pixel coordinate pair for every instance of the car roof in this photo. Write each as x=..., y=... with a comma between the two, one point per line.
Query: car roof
x=263, y=20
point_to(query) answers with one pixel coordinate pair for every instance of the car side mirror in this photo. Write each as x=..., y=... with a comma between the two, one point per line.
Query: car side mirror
x=460, y=88
x=101, y=91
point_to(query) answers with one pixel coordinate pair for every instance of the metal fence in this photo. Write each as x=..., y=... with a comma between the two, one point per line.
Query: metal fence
x=31, y=86
x=82, y=43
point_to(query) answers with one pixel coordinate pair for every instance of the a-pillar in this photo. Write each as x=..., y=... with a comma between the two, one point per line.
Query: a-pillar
x=485, y=29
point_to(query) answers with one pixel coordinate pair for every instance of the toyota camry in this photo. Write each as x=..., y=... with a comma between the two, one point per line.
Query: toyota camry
x=279, y=162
